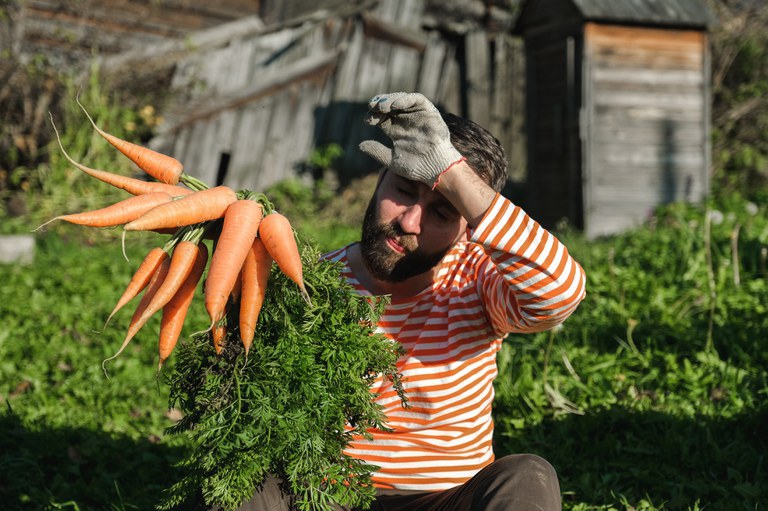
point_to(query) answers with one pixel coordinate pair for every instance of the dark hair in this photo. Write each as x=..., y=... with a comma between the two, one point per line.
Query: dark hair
x=482, y=150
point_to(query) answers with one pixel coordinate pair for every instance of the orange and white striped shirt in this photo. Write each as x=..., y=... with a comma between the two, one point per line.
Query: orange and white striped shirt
x=511, y=276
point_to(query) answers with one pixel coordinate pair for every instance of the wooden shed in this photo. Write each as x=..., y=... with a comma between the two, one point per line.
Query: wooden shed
x=617, y=109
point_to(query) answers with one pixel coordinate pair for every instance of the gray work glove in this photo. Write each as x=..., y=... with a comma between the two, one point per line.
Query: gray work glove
x=422, y=143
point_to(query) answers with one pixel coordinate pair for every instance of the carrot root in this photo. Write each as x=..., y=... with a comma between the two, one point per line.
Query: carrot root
x=157, y=279
x=140, y=279
x=164, y=168
x=200, y=206
x=176, y=309
x=279, y=239
x=241, y=224
x=255, y=277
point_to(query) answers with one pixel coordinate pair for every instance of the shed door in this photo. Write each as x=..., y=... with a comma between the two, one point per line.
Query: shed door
x=554, y=153
x=645, y=125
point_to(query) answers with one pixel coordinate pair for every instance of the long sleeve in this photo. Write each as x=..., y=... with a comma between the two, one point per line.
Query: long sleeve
x=512, y=276
x=531, y=282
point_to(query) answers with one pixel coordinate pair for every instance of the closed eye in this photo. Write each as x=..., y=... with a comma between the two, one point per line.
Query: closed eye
x=441, y=214
x=406, y=191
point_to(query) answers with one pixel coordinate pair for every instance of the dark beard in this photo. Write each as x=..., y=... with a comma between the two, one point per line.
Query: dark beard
x=381, y=261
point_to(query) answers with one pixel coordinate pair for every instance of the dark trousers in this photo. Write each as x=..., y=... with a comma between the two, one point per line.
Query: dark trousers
x=519, y=482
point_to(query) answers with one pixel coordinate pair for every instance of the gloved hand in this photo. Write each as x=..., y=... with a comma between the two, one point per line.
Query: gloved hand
x=422, y=148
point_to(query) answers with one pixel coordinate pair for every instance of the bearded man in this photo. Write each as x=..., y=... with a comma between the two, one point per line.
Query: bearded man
x=462, y=268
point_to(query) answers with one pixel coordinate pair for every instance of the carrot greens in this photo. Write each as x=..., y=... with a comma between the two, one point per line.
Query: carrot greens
x=282, y=409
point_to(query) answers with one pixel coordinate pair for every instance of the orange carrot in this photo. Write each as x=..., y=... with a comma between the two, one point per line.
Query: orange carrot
x=141, y=278
x=200, y=206
x=164, y=168
x=175, y=311
x=118, y=213
x=182, y=261
x=219, y=334
x=154, y=284
x=241, y=223
x=129, y=184
x=255, y=276
x=277, y=234
x=237, y=290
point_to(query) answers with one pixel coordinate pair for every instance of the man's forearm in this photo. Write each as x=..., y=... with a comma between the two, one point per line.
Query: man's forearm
x=467, y=191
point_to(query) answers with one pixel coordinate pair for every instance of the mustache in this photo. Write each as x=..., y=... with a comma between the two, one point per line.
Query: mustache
x=393, y=230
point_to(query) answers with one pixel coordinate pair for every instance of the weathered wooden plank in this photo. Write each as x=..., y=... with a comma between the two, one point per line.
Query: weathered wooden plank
x=650, y=99
x=270, y=81
x=652, y=114
x=194, y=156
x=430, y=74
x=623, y=37
x=449, y=93
x=373, y=68
x=642, y=75
x=393, y=33
x=410, y=13
x=347, y=72
x=173, y=145
x=623, y=203
x=387, y=10
x=274, y=157
x=629, y=47
x=630, y=86
x=649, y=173
x=403, y=70
x=164, y=55
x=478, y=77
x=656, y=60
x=620, y=197
x=671, y=12
x=246, y=163
x=685, y=156
x=160, y=19
x=669, y=134
x=302, y=140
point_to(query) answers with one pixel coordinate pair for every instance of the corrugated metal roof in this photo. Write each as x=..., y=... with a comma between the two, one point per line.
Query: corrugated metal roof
x=662, y=12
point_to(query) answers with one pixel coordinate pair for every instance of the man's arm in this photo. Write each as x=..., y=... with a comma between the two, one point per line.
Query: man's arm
x=467, y=191
x=529, y=281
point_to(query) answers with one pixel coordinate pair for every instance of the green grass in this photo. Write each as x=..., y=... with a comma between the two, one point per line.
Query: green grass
x=652, y=396
x=70, y=434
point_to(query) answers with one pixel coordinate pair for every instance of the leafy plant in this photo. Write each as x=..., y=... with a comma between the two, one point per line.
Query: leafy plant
x=652, y=395
x=282, y=410
x=739, y=87
x=50, y=185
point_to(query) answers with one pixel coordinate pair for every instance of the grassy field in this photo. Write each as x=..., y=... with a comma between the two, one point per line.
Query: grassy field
x=652, y=396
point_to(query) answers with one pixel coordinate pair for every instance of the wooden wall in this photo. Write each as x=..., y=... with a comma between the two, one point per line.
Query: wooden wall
x=69, y=32
x=646, y=124
x=256, y=104
x=259, y=84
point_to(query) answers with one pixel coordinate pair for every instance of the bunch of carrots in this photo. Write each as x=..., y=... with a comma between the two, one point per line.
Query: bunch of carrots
x=251, y=237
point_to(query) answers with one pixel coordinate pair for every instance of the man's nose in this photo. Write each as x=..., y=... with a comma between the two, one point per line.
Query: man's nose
x=410, y=219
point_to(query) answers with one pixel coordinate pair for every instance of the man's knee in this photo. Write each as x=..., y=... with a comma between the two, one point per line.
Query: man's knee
x=526, y=480
x=529, y=466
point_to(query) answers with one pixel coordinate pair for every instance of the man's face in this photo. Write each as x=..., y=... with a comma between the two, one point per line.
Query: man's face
x=407, y=229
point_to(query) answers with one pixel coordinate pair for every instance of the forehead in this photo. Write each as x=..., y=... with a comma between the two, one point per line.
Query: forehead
x=389, y=180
